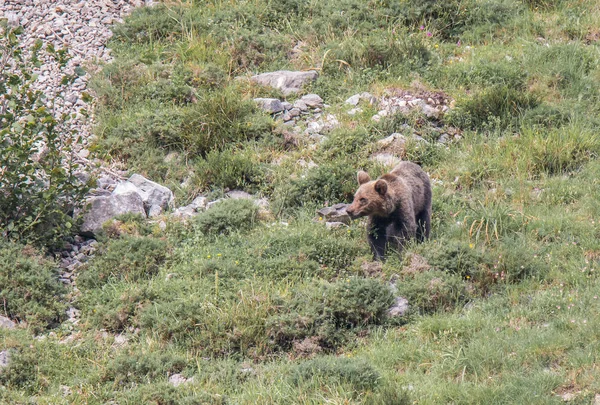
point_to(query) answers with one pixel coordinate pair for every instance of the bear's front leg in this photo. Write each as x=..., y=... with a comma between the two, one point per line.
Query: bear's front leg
x=377, y=236
x=399, y=233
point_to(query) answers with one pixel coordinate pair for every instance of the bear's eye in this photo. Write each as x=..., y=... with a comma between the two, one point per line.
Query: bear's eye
x=363, y=201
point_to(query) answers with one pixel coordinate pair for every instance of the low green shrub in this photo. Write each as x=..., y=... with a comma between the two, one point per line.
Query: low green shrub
x=230, y=168
x=129, y=259
x=117, y=308
x=167, y=394
x=331, y=313
x=143, y=367
x=401, y=52
x=29, y=287
x=328, y=183
x=228, y=216
x=150, y=24
x=496, y=107
x=357, y=373
x=454, y=258
x=484, y=73
x=433, y=291
x=453, y=19
x=218, y=119
x=22, y=372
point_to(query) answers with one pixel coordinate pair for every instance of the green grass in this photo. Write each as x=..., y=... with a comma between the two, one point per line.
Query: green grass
x=277, y=309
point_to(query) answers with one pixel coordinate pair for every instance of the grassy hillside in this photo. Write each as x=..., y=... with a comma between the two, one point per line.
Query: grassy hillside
x=278, y=309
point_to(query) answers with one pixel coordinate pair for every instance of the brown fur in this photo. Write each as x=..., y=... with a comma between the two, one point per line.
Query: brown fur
x=398, y=205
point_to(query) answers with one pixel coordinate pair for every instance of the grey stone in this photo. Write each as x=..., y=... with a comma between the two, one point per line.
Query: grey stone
x=103, y=208
x=239, y=194
x=386, y=159
x=354, y=100
x=213, y=203
x=125, y=187
x=4, y=359
x=335, y=225
x=287, y=105
x=105, y=181
x=399, y=308
x=199, y=203
x=395, y=139
x=6, y=323
x=155, y=211
x=312, y=100
x=336, y=213
x=318, y=138
x=444, y=138
x=287, y=81
x=430, y=111
x=270, y=105
x=294, y=112
x=300, y=105
x=184, y=212
x=153, y=193
x=177, y=379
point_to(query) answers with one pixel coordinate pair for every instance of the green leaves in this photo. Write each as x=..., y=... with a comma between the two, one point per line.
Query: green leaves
x=35, y=157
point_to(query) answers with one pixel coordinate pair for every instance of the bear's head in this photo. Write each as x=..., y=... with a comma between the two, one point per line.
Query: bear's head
x=370, y=198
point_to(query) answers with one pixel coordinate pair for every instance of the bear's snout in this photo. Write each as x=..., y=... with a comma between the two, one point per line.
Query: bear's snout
x=352, y=212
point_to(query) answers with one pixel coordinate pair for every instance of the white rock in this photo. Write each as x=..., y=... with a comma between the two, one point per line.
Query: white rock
x=153, y=193
x=6, y=323
x=270, y=105
x=287, y=81
x=312, y=100
x=178, y=379
x=155, y=211
x=400, y=307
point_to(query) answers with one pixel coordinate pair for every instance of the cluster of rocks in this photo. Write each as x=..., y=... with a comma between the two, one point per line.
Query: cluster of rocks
x=201, y=203
x=73, y=256
x=137, y=195
x=83, y=27
x=431, y=104
x=305, y=114
x=289, y=82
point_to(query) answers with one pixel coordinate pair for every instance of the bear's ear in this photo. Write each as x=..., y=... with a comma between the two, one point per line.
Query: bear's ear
x=363, y=177
x=381, y=187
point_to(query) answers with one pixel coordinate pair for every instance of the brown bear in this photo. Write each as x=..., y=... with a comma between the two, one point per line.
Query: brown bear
x=398, y=205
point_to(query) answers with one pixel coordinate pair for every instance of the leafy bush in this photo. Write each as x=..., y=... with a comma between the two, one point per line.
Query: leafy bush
x=29, y=288
x=130, y=259
x=228, y=216
x=357, y=373
x=39, y=189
